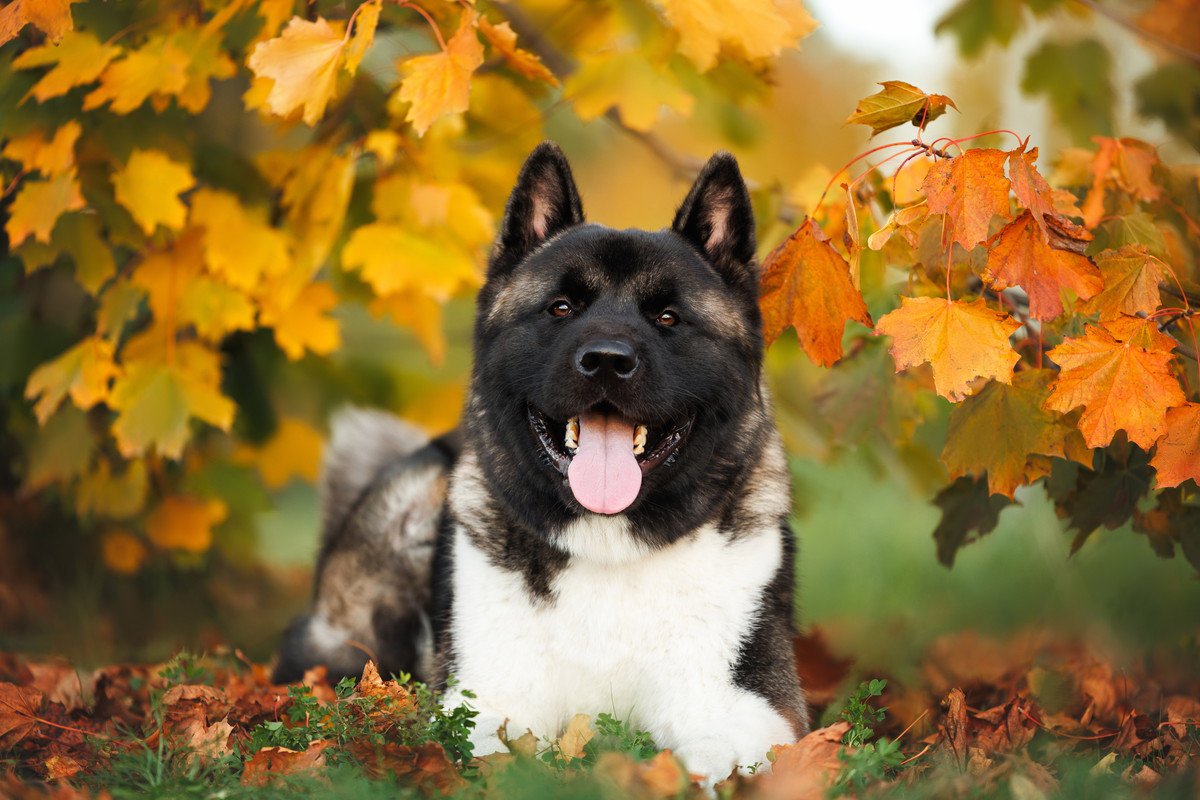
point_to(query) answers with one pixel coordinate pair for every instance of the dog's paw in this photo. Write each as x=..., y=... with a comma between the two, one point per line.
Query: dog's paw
x=715, y=758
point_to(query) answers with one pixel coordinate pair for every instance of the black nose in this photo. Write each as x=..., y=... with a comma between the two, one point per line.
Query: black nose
x=606, y=357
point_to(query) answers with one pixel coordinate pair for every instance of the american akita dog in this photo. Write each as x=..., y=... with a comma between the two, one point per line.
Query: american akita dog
x=608, y=531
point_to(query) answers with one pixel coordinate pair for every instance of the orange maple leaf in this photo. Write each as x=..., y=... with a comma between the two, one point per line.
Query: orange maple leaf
x=960, y=341
x=1120, y=372
x=504, y=40
x=969, y=189
x=1129, y=163
x=1028, y=185
x=1131, y=278
x=1021, y=255
x=1177, y=458
x=806, y=284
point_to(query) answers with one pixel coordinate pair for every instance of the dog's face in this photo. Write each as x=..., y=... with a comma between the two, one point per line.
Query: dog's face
x=616, y=371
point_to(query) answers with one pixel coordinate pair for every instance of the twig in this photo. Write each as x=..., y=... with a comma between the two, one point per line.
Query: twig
x=911, y=724
x=912, y=758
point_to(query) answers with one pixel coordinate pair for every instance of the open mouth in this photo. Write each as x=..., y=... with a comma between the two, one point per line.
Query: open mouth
x=604, y=455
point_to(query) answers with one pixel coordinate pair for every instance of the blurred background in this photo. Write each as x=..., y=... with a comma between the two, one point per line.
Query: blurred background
x=98, y=586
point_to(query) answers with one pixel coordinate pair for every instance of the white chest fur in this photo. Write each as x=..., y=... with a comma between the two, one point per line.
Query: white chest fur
x=651, y=638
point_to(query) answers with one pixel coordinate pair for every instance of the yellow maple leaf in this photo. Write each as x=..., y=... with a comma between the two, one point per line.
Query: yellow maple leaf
x=366, y=19
x=78, y=59
x=183, y=522
x=574, y=737
x=80, y=236
x=52, y=17
x=38, y=206
x=119, y=496
x=756, y=28
x=84, y=372
x=149, y=186
x=215, y=308
x=164, y=274
x=239, y=244
x=122, y=552
x=302, y=324
x=303, y=62
x=504, y=39
x=157, y=67
x=635, y=86
x=393, y=260
x=50, y=158
x=206, y=62
x=440, y=83
x=155, y=399
x=294, y=451
x=421, y=314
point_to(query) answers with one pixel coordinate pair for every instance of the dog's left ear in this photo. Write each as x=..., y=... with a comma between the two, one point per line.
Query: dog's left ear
x=543, y=202
x=716, y=217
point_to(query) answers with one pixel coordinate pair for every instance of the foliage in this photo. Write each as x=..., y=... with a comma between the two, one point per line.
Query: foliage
x=866, y=762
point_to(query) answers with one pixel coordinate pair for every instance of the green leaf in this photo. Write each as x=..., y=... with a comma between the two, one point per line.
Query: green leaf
x=969, y=511
x=897, y=103
x=1076, y=79
x=974, y=23
x=1171, y=93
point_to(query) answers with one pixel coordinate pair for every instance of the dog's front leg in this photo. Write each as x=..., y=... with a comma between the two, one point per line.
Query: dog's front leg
x=485, y=738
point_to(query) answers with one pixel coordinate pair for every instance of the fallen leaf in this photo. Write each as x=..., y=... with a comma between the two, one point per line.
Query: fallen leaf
x=303, y=64
x=1030, y=430
x=504, y=40
x=149, y=186
x=1120, y=372
x=1177, y=457
x=961, y=341
x=804, y=770
x=58, y=682
x=574, y=737
x=1020, y=255
x=18, y=713
x=969, y=189
x=263, y=766
x=1131, y=278
x=897, y=103
x=806, y=285
x=425, y=765
x=61, y=767
x=439, y=84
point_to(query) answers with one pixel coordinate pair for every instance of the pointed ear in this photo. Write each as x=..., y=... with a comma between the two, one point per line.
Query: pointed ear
x=543, y=202
x=717, y=219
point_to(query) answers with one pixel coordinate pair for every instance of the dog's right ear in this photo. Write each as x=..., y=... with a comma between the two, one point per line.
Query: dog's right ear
x=543, y=202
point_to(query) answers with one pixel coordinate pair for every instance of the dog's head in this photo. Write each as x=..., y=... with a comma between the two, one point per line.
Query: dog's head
x=617, y=371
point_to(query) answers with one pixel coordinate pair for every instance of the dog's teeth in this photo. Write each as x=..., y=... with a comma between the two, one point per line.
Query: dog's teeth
x=572, y=438
x=639, y=440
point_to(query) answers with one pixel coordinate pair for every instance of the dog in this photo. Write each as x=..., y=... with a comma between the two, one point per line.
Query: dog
x=608, y=529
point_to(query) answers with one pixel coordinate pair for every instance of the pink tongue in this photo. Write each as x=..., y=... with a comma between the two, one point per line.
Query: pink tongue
x=604, y=474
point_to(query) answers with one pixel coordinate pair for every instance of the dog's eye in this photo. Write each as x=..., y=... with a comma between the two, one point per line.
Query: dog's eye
x=667, y=319
x=561, y=308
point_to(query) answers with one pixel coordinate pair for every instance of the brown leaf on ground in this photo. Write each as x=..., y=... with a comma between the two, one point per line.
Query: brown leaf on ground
x=200, y=741
x=659, y=778
x=59, y=768
x=425, y=765
x=19, y=707
x=821, y=672
x=1006, y=727
x=268, y=762
x=59, y=682
x=804, y=770
x=953, y=735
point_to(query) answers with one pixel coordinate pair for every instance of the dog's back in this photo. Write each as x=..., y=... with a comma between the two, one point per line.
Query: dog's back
x=382, y=491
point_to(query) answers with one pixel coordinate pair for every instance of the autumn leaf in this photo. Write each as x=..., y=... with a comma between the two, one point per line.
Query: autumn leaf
x=425, y=765
x=18, y=713
x=961, y=341
x=303, y=325
x=122, y=552
x=182, y=522
x=1125, y=163
x=1005, y=431
x=504, y=40
x=635, y=86
x=49, y=157
x=149, y=186
x=574, y=738
x=807, y=769
x=303, y=62
x=1020, y=255
x=155, y=400
x=159, y=67
x=116, y=496
x=754, y=28
x=293, y=451
x=1120, y=372
x=39, y=204
x=1177, y=457
x=84, y=372
x=52, y=17
x=262, y=767
x=1131, y=278
x=366, y=19
x=421, y=314
x=214, y=309
x=240, y=244
x=969, y=189
x=393, y=259
x=78, y=60
x=1030, y=188
x=439, y=84
x=897, y=103
x=806, y=284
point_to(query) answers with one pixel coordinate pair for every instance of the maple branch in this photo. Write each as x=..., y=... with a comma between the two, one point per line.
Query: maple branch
x=1138, y=30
